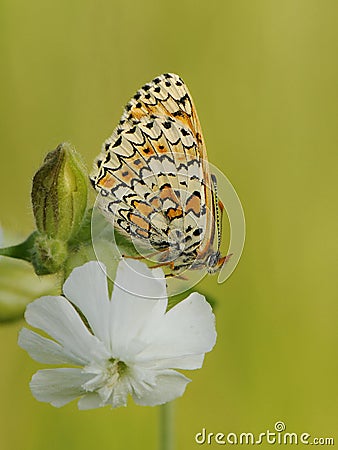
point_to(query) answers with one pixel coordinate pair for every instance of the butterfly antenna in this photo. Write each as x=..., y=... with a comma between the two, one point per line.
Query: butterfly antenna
x=218, y=210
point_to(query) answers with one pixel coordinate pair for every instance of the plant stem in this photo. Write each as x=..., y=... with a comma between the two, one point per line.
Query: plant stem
x=22, y=250
x=166, y=426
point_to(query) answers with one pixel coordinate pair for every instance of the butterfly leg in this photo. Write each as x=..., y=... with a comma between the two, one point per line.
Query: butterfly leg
x=140, y=257
x=161, y=264
x=179, y=277
x=133, y=257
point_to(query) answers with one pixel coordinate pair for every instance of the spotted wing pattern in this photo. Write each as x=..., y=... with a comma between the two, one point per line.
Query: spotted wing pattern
x=153, y=176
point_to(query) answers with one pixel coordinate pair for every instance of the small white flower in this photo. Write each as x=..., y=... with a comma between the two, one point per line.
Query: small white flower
x=132, y=345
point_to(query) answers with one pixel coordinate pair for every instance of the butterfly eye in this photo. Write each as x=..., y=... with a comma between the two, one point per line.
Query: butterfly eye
x=212, y=261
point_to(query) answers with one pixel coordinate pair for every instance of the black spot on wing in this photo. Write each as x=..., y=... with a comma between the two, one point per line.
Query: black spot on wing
x=118, y=142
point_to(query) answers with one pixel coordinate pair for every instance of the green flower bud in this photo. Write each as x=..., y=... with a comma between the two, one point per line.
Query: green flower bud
x=60, y=194
x=48, y=255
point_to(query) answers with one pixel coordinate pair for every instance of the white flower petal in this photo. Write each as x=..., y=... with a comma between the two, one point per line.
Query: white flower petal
x=190, y=362
x=187, y=329
x=57, y=317
x=169, y=385
x=136, y=279
x=45, y=350
x=87, y=288
x=58, y=386
x=134, y=346
x=91, y=400
x=129, y=313
x=120, y=393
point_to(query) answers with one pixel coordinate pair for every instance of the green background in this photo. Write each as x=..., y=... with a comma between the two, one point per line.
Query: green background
x=263, y=75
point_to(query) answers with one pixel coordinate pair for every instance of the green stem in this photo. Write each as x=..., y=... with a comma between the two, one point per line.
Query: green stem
x=166, y=426
x=20, y=251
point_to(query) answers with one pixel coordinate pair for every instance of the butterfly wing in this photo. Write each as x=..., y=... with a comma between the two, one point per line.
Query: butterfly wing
x=167, y=94
x=153, y=174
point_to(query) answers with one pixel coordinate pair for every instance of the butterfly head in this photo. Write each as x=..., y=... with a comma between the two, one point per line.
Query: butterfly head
x=215, y=261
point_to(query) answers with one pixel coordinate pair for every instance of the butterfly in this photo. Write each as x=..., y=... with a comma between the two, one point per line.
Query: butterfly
x=154, y=181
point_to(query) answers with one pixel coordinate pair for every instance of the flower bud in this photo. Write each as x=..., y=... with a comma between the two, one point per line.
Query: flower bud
x=48, y=255
x=59, y=194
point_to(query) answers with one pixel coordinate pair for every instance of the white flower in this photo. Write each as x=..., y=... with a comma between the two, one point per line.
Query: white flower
x=130, y=344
